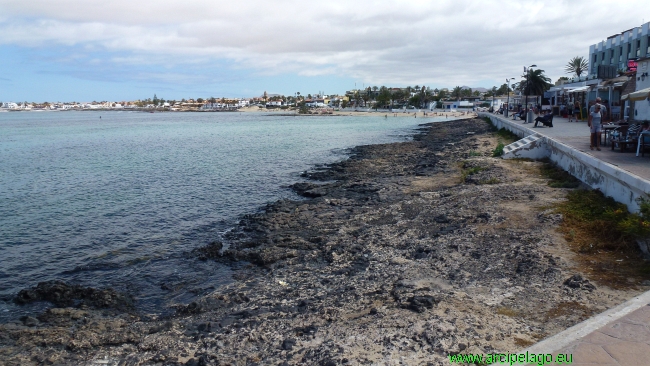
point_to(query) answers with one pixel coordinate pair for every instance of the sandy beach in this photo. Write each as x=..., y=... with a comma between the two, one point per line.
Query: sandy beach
x=411, y=113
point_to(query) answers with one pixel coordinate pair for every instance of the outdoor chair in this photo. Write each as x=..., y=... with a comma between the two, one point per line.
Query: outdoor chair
x=546, y=120
x=521, y=115
x=625, y=136
x=645, y=143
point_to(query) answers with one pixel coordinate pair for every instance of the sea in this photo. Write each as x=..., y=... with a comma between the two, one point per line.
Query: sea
x=119, y=199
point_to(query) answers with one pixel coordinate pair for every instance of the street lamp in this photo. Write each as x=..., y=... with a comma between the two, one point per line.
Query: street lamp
x=529, y=114
x=508, y=98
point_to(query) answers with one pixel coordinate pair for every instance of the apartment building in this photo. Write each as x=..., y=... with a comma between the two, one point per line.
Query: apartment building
x=618, y=49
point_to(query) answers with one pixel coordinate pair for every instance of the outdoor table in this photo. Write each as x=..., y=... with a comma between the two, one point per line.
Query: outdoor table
x=623, y=144
x=607, y=130
x=638, y=145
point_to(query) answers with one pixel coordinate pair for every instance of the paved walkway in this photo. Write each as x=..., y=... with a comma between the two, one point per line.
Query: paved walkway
x=576, y=135
x=619, y=336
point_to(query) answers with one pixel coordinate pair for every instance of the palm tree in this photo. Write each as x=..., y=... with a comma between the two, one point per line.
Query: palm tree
x=539, y=83
x=577, y=66
x=457, y=92
x=535, y=83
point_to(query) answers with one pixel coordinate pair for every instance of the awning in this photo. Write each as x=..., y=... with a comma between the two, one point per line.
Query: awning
x=612, y=82
x=637, y=95
x=580, y=89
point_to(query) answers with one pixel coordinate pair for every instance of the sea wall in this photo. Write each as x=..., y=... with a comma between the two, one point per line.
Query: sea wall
x=613, y=181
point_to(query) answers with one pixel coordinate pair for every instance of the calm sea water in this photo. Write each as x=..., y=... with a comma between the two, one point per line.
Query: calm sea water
x=117, y=201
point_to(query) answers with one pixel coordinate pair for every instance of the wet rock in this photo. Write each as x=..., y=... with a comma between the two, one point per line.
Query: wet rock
x=63, y=295
x=421, y=303
x=210, y=251
x=29, y=321
x=288, y=344
x=577, y=282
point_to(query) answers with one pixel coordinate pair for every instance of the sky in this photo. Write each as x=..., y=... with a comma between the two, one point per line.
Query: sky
x=84, y=50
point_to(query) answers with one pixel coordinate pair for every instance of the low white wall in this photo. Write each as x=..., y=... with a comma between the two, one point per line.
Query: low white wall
x=617, y=183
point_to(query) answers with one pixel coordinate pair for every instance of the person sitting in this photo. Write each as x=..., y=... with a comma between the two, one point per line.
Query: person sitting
x=546, y=120
x=521, y=114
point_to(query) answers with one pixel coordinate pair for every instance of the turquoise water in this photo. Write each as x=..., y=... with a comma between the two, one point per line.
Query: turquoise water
x=117, y=201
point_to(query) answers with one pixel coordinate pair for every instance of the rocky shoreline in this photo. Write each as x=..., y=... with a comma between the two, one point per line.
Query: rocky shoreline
x=402, y=254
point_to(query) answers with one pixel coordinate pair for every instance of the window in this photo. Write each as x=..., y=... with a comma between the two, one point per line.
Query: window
x=620, y=54
x=647, y=53
x=638, y=48
x=595, y=58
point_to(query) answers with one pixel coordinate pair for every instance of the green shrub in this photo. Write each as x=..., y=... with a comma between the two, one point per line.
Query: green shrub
x=593, y=221
x=498, y=151
x=558, y=177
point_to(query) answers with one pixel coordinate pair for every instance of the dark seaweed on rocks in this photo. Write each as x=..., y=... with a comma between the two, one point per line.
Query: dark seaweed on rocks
x=63, y=295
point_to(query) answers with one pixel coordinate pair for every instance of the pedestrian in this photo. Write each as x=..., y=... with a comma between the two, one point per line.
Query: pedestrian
x=603, y=109
x=594, y=122
x=570, y=112
x=576, y=110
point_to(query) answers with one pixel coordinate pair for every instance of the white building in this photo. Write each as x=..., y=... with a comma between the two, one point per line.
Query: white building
x=641, y=97
x=9, y=105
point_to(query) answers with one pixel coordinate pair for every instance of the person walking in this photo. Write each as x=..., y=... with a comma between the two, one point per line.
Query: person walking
x=570, y=112
x=594, y=122
x=576, y=110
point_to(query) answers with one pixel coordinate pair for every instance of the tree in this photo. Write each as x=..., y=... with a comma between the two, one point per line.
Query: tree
x=577, y=66
x=266, y=96
x=442, y=94
x=476, y=93
x=357, y=98
x=155, y=100
x=398, y=95
x=534, y=83
x=365, y=98
x=561, y=79
x=503, y=89
x=457, y=93
x=199, y=100
x=383, y=98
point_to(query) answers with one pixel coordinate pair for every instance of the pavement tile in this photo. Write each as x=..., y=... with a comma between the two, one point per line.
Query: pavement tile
x=630, y=353
x=599, y=338
x=627, y=331
x=588, y=353
x=640, y=316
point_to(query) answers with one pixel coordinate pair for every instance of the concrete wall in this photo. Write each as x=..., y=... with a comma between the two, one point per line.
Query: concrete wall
x=619, y=184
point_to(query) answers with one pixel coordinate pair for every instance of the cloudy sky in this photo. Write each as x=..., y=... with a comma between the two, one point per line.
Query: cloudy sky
x=120, y=50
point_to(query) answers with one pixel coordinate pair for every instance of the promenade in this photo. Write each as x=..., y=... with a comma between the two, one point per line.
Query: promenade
x=576, y=135
x=619, y=336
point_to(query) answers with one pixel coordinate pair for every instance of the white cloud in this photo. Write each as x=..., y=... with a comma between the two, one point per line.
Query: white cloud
x=442, y=43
